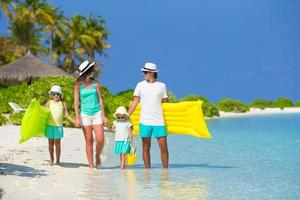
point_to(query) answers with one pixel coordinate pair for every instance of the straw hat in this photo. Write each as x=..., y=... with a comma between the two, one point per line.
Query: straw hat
x=55, y=89
x=149, y=67
x=84, y=66
x=122, y=111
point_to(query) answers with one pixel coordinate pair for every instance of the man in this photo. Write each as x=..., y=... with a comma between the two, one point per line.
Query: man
x=151, y=93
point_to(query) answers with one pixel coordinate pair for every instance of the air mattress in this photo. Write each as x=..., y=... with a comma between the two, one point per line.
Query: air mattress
x=34, y=121
x=180, y=118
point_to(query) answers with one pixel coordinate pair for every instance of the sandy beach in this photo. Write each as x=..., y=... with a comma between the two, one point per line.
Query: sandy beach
x=26, y=174
x=257, y=111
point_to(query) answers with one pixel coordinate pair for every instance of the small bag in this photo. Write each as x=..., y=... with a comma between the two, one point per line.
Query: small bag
x=131, y=157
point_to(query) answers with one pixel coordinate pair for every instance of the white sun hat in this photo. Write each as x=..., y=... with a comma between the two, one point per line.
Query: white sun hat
x=56, y=89
x=84, y=66
x=149, y=67
x=121, y=110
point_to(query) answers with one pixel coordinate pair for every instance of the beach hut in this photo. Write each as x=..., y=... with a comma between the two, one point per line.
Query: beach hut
x=27, y=69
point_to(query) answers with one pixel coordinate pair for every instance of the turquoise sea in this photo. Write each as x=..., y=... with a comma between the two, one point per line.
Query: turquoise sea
x=248, y=158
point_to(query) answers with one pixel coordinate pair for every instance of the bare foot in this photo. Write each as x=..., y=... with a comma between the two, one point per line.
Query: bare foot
x=51, y=162
x=98, y=161
x=58, y=163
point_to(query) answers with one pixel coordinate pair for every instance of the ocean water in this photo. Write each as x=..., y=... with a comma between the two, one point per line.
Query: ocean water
x=248, y=158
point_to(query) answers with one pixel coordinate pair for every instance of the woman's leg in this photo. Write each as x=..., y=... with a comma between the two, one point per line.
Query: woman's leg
x=123, y=157
x=57, y=150
x=51, y=151
x=88, y=136
x=99, y=142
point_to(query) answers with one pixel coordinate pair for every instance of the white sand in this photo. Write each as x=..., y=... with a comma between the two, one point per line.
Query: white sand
x=256, y=111
x=25, y=173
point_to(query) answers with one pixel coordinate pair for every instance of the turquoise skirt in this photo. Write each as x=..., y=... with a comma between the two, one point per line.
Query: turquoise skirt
x=54, y=132
x=122, y=147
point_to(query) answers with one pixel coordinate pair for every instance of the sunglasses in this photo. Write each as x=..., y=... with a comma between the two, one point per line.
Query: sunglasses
x=146, y=72
x=55, y=94
x=121, y=117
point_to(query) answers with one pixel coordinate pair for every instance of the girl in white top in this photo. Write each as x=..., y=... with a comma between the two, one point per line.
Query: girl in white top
x=123, y=134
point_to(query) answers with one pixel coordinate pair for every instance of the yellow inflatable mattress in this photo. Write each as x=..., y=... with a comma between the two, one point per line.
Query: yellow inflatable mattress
x=180, y=118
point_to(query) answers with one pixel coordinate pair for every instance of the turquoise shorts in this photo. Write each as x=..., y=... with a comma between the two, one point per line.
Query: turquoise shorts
x=146, y=131
x=54, y=132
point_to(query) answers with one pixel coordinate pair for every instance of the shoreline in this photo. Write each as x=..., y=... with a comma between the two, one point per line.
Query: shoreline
x=258, y=112
x=25, y=166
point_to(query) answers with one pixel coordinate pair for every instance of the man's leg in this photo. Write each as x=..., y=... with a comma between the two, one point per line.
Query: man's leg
x=162, y=141
x=146, y=151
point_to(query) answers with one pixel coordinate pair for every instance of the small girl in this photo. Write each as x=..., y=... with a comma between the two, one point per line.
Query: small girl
x=54, y=130
x=123, y=134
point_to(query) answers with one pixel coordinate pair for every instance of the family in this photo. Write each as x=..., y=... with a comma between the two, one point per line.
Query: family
x=90, y=115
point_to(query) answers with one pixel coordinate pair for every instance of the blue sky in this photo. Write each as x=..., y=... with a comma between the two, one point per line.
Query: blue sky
x=226, y=48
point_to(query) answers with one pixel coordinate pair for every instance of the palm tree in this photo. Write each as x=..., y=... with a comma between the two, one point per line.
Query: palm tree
x=11, y=52
x=74, y=41
x=25, y=34
x=6, y=4
x=95, y=27
x=36, y=11
x=55, y=30
x=29, y=21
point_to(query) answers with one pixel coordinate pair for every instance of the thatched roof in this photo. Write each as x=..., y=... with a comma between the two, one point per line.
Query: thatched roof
x=28, y=68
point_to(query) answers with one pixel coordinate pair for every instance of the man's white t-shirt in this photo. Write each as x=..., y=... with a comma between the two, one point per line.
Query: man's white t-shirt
x=151, y=95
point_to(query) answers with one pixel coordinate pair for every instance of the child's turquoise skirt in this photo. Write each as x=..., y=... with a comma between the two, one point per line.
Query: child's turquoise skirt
x=54, y=132
x=122, y=147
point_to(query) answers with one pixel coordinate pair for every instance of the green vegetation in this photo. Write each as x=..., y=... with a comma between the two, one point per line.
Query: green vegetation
x=261, y=103
x=297, y=104
x=209, y=109
x=13, y=93
x=68, y=40
x=16, y=118
x=11, y=52
x=172, y=98
x=22, y=94
x=3, y=120
x=283, y=102
x=232, y=105
x=121, y=99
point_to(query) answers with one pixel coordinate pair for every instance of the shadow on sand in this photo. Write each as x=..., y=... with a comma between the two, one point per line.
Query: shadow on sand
x=8, y=169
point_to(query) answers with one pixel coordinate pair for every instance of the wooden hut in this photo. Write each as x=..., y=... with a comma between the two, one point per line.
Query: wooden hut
x=27, y=69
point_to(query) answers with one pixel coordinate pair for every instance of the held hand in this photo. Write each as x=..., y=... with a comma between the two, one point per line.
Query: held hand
x=105, y=120
x=77, y=122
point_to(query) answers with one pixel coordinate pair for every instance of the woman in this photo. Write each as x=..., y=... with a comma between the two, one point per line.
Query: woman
x=151, y=93
x=87, y=95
